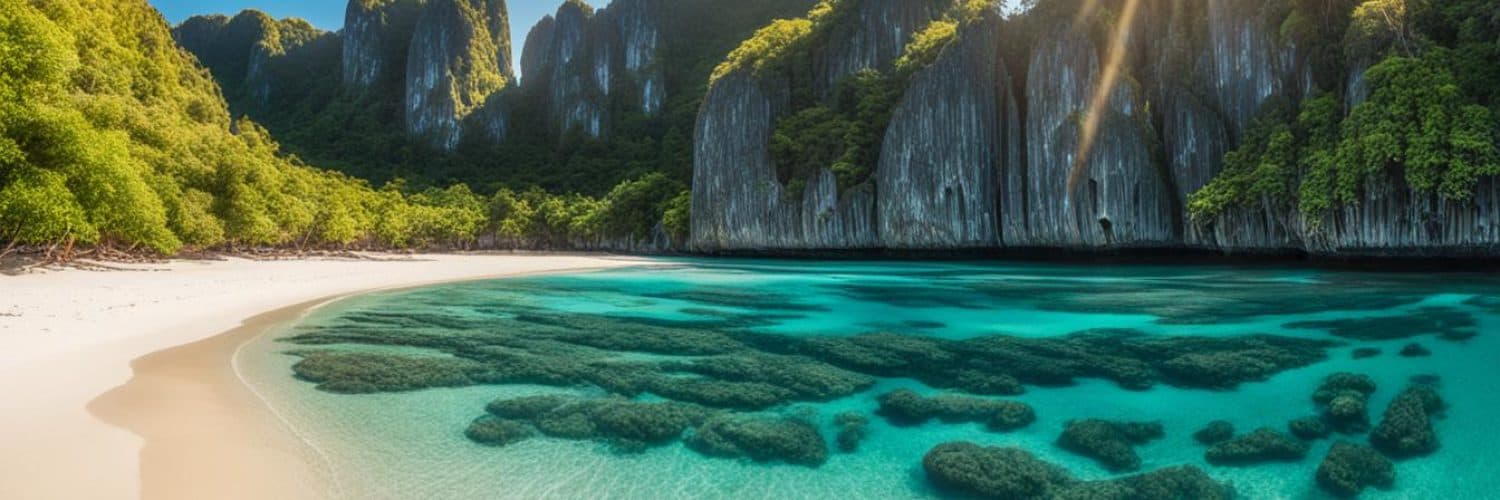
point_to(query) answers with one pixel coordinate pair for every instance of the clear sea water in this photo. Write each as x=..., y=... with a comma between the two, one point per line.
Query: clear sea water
x=411, y=445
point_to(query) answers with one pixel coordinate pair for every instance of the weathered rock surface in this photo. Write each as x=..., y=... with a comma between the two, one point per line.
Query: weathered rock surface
x=958, y=171
x=954, y=136
x=1088, y=189
x=875, y=37
x=740, y=112
x=376, y=35
x=459, y=56
x=574, y=61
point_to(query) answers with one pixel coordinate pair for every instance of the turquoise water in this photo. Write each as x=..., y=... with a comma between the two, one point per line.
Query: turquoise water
x=412, y=444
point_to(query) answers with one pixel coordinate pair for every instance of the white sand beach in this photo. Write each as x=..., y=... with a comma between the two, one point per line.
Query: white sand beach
x=184, y=427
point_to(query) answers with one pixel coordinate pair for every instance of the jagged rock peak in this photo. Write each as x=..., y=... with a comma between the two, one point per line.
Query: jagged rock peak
x=573, y=58
x=873, y=37
x=536, y=60
x=376, y=36
x=244, y=52
x=459, y=56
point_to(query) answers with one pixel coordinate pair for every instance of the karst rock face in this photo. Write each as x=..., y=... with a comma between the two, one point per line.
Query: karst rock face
x=574, y=61
x=253, y=56
x=459, y=56
x=951, y=145
x=1006, y=141
x=738, y=201
x=1090, y=178
x=376, y=36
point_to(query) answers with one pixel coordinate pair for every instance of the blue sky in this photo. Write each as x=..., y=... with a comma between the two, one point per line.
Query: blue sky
x=329, y=14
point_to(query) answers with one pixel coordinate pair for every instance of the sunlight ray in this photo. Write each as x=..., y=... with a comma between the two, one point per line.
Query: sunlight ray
x=1118, y=49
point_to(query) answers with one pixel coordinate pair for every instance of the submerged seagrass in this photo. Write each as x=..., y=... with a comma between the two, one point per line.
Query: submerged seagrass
x=801, y=379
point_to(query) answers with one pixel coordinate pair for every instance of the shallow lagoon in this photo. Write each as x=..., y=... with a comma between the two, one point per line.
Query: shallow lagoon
x=412, y=444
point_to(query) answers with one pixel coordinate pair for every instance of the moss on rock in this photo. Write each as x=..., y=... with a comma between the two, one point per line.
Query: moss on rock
x=1215, y=432
x=760, y=438
x=993, y=472
x=1405, y=430
x=1112, y=444
x=1263, y=445
x=1344, y=397
x=1015, y=474
x=853, y=428
x=1308, y=428
x=1349, y=468
x=493, y=431
x=906, y=407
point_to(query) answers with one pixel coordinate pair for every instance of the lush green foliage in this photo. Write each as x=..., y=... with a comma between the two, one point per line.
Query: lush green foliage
x=840, y=129
x=843, y=135
x=766, y=48
x=1428, y=121
x=359, y=132
x=111, y=134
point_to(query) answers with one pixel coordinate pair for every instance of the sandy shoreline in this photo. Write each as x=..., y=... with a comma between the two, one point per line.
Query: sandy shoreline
x=184, y=426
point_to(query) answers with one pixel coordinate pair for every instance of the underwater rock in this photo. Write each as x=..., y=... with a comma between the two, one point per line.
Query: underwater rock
x=494, y=431
x=1405, y=430
x=1215, y=432
x=993, y=472
x=807, y=377
x=721, y=394
x=1112, y=444
x=1446, y=323
x=1012, y=473
x=853, y=427
x=628, y=335
x=883, y=354
x=1263, y=445
x=1001, y=364
x=1365, y=352
x=759, y=438
x=359, y=373
x=1414, y=350
x=629, y=425
x=905, y=407
x=1309, y=428
x=1344, y=397
x=1349, y=468
x=526, y=408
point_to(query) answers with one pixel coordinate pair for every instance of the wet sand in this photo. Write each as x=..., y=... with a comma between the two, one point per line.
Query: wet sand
x=118, y=384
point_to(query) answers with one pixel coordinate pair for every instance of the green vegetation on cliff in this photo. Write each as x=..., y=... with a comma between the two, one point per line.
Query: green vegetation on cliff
x=839, y=128
x=111, y=135
x=1428, y=120
x=357, y=130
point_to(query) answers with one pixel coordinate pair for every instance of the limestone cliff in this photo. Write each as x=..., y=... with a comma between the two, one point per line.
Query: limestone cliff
x=1082, y=190
x=255, y=56
x=459, y=56
x=739, y=203
x=376, y=36
x=575, y=60
x=950, y=145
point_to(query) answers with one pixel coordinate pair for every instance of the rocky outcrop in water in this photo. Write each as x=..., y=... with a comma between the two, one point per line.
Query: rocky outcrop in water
x=459, y=56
